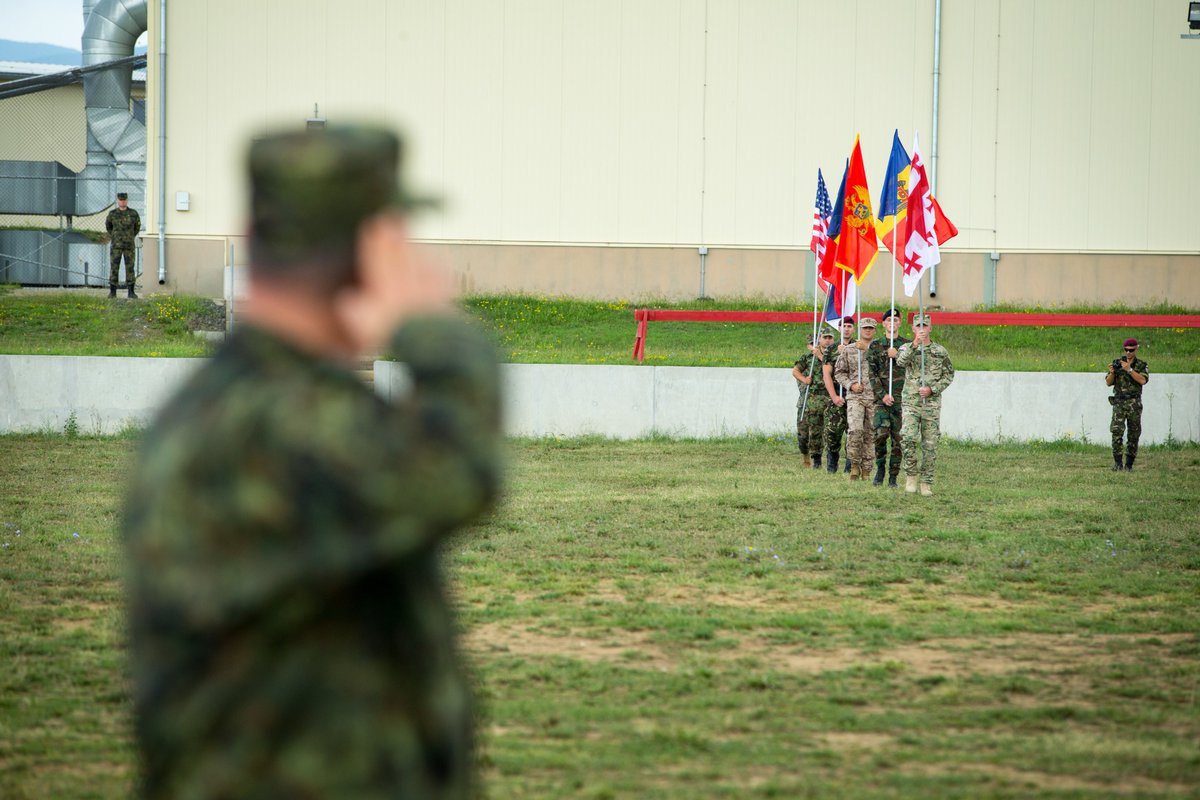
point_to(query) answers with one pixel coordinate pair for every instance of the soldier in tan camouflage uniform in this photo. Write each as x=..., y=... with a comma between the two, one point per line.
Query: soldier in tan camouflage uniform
x=929, y=372
x=123, y=225
x=290, y=631
x=1127, y=376
x=858, y=371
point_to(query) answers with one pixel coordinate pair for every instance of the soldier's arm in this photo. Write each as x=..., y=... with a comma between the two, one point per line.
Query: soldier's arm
x=411, y=471
x=841, y=372
x=798, y=374
x=1142, y=377
x=827, y=376
x=945, y=375
x=904, y=357
x=137, y=223
x=108, y=222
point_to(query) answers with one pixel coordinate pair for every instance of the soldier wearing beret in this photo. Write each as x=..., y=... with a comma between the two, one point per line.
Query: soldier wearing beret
x=888, y=414
x=123, y=225
x=929, y=373
x=1127, y=375
x=289, y=626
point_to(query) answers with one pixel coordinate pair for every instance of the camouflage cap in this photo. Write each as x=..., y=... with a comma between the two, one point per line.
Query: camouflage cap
x=922, y=319
x=122, y=196
x=867, y=322
x=310, y=190
x=826, y=333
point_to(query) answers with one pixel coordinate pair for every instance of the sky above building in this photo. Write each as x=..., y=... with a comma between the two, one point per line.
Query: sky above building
x=58, y=22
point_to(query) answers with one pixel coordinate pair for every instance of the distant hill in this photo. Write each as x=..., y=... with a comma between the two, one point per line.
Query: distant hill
x=39, y=53
x=44, y=53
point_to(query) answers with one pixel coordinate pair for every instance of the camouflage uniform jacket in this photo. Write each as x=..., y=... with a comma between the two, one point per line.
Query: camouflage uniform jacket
x=897, y=372
x=874, y=370
x=1124, y=386
x=830, y=358
x=123, y=226
x=817, y=393
x=939, y=372
x=290, y=631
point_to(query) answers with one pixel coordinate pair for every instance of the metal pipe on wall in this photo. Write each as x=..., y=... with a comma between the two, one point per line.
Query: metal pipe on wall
x=933, y=154
x=162, y=142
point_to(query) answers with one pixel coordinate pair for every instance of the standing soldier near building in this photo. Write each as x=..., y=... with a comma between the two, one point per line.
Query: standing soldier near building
x=835, y=414
x=857, y=371
x=929, y=373
x=1127, y=376
x=290, y=630
x=888, y=416
x=123, y=225
x=811, y=405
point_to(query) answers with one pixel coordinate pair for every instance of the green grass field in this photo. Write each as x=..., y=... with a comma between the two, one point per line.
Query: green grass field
x=709, y=620
x=565, y=331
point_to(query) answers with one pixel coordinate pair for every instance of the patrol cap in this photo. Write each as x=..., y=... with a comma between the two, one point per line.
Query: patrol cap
x=867, y=322
x=122, y=196
x=1130, y=343
x=922, y=319
x=311, y=189
x=826, y=333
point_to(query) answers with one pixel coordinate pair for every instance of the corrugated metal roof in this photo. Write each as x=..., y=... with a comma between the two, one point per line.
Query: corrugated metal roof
x=10, y=70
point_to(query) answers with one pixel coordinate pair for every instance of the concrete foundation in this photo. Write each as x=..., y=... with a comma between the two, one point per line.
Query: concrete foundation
x=106, y=395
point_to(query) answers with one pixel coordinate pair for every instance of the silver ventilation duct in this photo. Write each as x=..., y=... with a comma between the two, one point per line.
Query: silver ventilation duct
x=116, y=141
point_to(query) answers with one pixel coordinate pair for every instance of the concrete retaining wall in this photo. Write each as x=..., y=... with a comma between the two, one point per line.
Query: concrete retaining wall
x=109, y=394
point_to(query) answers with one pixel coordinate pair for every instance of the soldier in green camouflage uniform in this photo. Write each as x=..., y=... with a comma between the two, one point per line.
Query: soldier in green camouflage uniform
x=1127, y=376
x=835, y=413
x=290, y=630
x=888, y=417
x=123, y=225
x=810, y=405
x=929, y=372
x=809, y=367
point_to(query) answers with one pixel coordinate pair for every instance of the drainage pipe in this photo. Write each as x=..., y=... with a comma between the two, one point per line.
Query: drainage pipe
x=933, y=155
x=162, y=142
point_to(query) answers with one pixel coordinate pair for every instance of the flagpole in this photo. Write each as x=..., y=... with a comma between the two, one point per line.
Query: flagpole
x=815, y=343
x=891, y=335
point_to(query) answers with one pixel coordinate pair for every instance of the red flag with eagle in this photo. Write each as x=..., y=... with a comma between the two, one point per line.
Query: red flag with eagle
x=857, y=246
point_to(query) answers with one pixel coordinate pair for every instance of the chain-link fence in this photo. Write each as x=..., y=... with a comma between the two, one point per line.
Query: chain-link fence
x=53, y=203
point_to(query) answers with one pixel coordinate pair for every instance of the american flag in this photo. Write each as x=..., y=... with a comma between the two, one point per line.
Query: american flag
x=821, y=213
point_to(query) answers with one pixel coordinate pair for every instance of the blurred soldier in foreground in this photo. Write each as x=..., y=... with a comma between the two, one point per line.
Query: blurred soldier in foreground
x=835, y=413
x=888, y=419
x=1127, y=376
x=123, y=225
x=802, y=370
x=857, y=371
x=290, y=632
x=929, y=372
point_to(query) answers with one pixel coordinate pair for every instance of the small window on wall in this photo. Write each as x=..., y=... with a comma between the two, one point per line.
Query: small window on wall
x=139, y=111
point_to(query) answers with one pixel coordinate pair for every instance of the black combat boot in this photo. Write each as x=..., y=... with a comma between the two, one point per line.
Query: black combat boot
x=893, y=471
x=878, y=481
x=817, y=460
x=831, y=462
x=132, y=296
x=1117, y=465
x=1129, y=462
x=891, y=481
x=112, y=290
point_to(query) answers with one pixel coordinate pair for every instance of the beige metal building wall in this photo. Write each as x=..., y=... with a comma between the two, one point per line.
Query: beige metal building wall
x=628, y=133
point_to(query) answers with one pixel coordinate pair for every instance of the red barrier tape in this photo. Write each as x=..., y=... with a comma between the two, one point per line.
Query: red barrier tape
x=643, y=316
